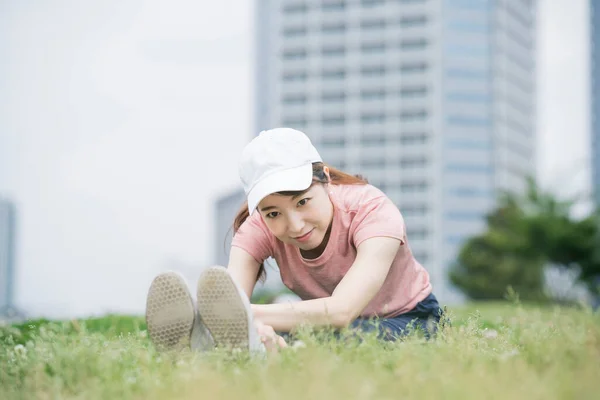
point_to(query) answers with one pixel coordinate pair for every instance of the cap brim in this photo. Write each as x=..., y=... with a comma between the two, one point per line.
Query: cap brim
x=299, y=178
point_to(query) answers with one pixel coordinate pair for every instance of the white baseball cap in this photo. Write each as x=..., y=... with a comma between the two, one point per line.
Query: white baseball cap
x=276, y=160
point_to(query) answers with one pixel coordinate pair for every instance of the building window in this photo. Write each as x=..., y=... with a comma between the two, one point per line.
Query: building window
x=413, y=115
x=372, y=118
x=294, y=99
x=468, y=120
x=372, y=3
x=411, y=21
x=373, y=140
x=417, y=233
x=372, y=94
x=372, y=70
x=467, y=73
x=372, y=24
x=413, y=138
x=377, y=47
x=333, y=51
x=413, y=162
x=471, y=144
x=455, y=239
x=333, y=97
x=469, y=168
x=338, y=27
x=414, y=210
x=468, y=51
x=333, y=141
x=334, y=74
x=295, y=8
x=477, y=4
x=294, y=54
x=378, y=162
x=471, y=192
x=413, y=91
x=464, y=215
x=411, y=68
x=294, y=122
x=295, y=76
x=333, y=5
x=414, y=44
x=413, y=187
x=469, y=97
x=294, y=31
x=333, y=120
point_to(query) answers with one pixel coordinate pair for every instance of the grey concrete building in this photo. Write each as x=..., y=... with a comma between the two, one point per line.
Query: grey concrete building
x=8, y=218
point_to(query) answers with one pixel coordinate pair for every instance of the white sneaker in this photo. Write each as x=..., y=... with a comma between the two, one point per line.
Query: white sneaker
x=225, y=310
x=172, y=320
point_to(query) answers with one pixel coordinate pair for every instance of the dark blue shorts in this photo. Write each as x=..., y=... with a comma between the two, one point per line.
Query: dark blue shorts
x=425, y=316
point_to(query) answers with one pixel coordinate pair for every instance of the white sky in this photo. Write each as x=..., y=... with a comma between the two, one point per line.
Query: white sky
x=121, y=122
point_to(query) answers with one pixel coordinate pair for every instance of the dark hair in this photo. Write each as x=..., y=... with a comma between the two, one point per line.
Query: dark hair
x=337, y=178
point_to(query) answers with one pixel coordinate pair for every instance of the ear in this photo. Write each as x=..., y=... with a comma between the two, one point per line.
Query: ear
x=326, y=172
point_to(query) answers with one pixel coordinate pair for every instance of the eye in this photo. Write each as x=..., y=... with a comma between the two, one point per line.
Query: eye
x=272, y=214
x=303, y=202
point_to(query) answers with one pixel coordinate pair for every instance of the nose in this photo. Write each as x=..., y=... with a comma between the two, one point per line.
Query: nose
x=295, y=224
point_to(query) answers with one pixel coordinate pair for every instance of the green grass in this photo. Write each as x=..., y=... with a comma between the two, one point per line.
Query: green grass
x=491, y=351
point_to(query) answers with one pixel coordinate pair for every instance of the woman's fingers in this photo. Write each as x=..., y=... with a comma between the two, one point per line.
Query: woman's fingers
x=269, y=338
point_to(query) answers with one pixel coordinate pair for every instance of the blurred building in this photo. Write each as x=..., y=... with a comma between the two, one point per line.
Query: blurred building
x=595, y=94
x=8, y=309
x=434, y=101
x=226, y=209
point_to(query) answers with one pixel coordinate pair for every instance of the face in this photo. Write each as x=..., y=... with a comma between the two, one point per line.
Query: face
x=302, y=220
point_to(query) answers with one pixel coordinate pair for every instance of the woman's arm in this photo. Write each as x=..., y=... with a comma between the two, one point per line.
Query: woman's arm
x=354, y=292
x=243, y=268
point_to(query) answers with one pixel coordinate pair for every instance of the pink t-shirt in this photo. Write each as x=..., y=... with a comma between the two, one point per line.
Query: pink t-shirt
x=360, y=212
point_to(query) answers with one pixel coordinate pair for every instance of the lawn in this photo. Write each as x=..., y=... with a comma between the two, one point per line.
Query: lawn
x=490, y=351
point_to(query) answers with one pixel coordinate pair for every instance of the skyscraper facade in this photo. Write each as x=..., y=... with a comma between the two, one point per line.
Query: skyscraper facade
x=595, y=94
x=432, y=100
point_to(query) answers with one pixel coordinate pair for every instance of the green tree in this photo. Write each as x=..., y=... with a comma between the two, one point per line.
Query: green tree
x=500, y=257
x=525, y=233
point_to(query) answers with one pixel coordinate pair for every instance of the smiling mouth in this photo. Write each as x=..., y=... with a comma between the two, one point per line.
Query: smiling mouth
x=303, y=236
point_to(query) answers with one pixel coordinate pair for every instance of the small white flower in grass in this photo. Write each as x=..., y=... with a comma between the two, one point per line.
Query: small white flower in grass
x=298, y=344
x=510, y=354
x=20, y=350
x=490, y=333
x=143, y=334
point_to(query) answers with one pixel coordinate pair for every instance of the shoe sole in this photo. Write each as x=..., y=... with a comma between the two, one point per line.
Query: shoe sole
x=222, y=309
x=169, y=312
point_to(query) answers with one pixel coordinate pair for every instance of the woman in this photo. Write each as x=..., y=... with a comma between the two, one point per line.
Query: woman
x=340, y=245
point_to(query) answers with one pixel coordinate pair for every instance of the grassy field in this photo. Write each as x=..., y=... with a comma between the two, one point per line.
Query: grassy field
x=491, y=351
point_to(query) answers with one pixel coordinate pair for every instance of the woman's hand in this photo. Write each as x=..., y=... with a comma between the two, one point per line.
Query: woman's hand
x=272, y=341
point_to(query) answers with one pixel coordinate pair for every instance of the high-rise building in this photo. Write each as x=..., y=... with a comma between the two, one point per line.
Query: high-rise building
x=433, y=101
x=7, y=259
x=595, y=94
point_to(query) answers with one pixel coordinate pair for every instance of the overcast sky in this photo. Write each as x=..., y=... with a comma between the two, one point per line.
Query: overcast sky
x=121, y=122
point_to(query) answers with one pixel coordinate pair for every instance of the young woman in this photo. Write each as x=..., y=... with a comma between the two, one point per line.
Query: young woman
x=340, y=245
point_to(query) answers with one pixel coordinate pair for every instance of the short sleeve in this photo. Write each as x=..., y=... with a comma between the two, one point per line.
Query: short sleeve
x=254, y=237
x=377, y=217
